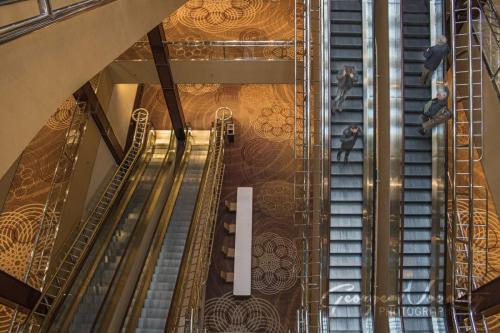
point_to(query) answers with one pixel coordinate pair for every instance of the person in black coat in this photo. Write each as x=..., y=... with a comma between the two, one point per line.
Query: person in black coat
x=346, y=78
x=348, y=140
x=433, y=57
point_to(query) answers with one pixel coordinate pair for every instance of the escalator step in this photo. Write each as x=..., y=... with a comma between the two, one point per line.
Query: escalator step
x=352, y=248
x=340, y=234
x=343, y=325
x=347, y=17
x=347, y=182
x=345, y=6
x=417, y=182
x=346, y=54
x=411, y=19
x=348, y=117
x=346, y=29
x=344, y=285
x=346, y=221
x=346, y=195
x=417, y=209
x=343, y=260
x=417, y=248
x=346, y=208
x=345, y=42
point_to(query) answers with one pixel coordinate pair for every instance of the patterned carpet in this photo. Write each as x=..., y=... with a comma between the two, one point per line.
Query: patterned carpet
x=491, y=270
x=262, y=158
x=25, y=202
x=217, y=20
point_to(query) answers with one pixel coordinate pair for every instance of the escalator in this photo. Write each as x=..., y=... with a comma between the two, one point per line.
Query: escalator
x=100, y=278
x=154, y=307
x=417, y=218
x=346, y=183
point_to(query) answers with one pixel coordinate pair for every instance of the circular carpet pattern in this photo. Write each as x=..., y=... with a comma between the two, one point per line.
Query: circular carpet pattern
x=218, y=15
x=275, y=263
x=252, y=314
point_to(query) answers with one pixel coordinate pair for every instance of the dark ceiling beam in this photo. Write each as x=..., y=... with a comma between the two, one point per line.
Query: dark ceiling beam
x=86, y=94
x=13, y=292
x=161, y=57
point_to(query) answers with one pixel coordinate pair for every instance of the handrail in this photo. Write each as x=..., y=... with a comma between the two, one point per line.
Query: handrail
x=190, y=49
x=46, y=17
x=369, y=166
x=188, y=302
x=438, y=194
x=107, y=308
x=230, y=43
x=136, y=303
x=76, y=249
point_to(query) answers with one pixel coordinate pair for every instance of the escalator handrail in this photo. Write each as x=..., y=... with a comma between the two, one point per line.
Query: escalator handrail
x=125, y=258
x=136, y=302
x=48, y=302
x=207, y=208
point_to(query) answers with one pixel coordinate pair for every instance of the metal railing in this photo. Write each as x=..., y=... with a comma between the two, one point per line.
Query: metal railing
x=191, y=49
x=439, y=181
x=310, y=174
x=46, y=15
x=38, y=261
x=74, y=252
x=468, y=218
x=187, y=311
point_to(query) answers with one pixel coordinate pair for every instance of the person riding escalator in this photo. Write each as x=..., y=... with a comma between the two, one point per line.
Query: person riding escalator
x=435, y=111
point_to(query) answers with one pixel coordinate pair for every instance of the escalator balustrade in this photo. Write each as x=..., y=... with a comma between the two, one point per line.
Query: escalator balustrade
x=155, y=307
x=97, y=290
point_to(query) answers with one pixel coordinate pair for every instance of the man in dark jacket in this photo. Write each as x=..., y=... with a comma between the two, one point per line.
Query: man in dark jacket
x=348, y=140
x=433, y=57
x=435, y=111
x=345, y=81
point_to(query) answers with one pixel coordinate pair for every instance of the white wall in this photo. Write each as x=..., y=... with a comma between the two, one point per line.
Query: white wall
x=40, y=70
x=104, y=162
x=120, y=109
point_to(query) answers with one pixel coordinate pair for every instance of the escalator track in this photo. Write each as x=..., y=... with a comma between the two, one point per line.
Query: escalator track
x=415, y=276
x=84, y=314
x=346, y=219
x=157, y=301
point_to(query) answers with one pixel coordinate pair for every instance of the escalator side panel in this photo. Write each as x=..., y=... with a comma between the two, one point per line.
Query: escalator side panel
x=96, y=291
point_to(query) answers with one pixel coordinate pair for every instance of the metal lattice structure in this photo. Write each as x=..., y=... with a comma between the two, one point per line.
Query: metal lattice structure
x=310, y=140
x=468, y=217
x=74, y=252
